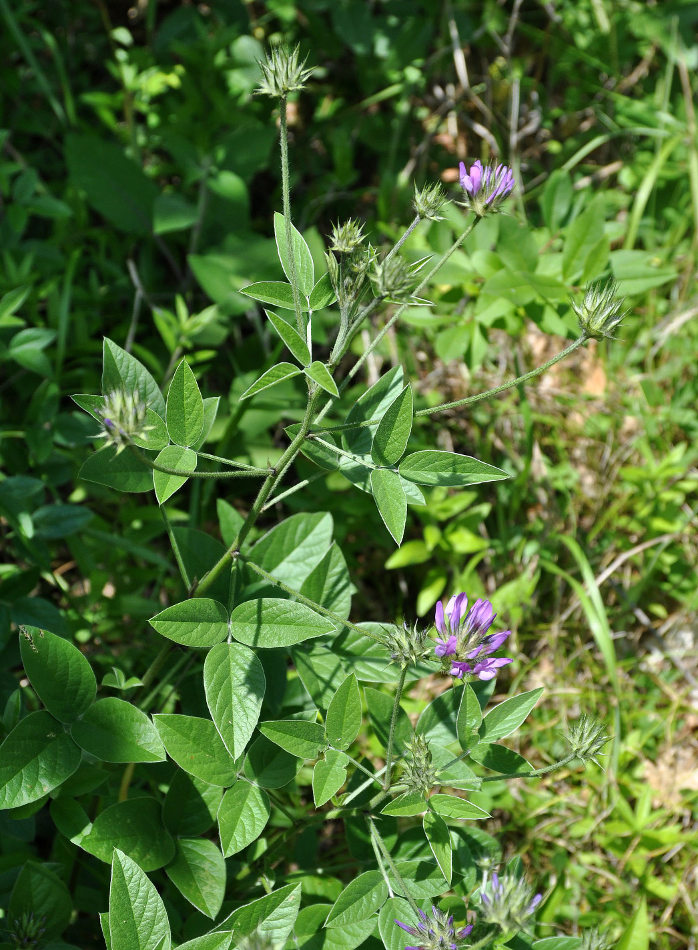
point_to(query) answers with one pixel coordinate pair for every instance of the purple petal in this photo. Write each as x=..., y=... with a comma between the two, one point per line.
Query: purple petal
x=455, y=608
x=534, y=903
x=458, y=669
x=408, y=929
x=487, y=669
x=481, y=615
x=464, y=932
x=489, y=645
x=445, y=647
x=463, y=176
x=439, y=618
x=476, y=176
x=495, y=880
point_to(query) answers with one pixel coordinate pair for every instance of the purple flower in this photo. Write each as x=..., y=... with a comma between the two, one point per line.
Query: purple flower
x=436, y=931
x=509, y=903
x=465, y=637
x=485, y=188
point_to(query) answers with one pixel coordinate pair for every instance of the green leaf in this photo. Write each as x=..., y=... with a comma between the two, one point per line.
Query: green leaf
x=122, y=371
x=297, y=736
x=172, y=213
x=343, y=719
x=185, y=407
x=636, y=935
x=437, y=722
x=393, y=432
x=329, y=583
x=208, y=942
x=581, y=238
x=172, y=456
x=380, y=709
x=113, y=730
x=293, y=548
x=269, y=765
x=198, y=873
x=61, y=676
x=39, y=894
x=423, y=879
x=135, y=826
x=448, y=806
x=640, y=271
x=305, y=271
x=242, y=816
x=359, y=899
x=71, y=819
x=274, y=292
x=211, y=404
x=320, y=670
x=229, y=520
x=323, y=294
x=271, y=917
x=469, y=717
x=329, y=775
x=450, y=773
x=320, y=374
x=291, y=337
x=36, y=757
x=437, y=834
x=198, y=622
x=434, y=467
x=276, y=374
x=190, y=805
x=508, y=716
x=273, y=622
x=196, y=747
x=234, y=683
x=372, y=405
x=390, y=500
x=395, y=908
x=120, y=470
x=137, y=915
x=406, y=805
x=499, y=759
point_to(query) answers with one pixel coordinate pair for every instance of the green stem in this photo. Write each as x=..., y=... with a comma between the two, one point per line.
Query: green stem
x=470, y=400
x=391, y=733
x=286, y=195
x=167, y=470
x=293, y=489
x=362, y=768
x=376, y=835
x=534, y=773
x=175, y=547
x=398, y=244
x=336, y=449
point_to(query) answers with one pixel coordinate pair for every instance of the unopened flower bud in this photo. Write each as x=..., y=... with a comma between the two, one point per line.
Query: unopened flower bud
x=418, y=771
x=347, y=237
x=508, y=902
x=393, y=279
x=429, y=201
x=123, y=416
x=594, y=939
x=435, y=931
x=407, y=645
x=283, y=71
x=586, y=738
x=601, y=311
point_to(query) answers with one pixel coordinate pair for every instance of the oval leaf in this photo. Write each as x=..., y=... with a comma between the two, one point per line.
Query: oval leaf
x=137, y=915
x=305, y=271
x=297, y=736
x=135, y=827
x=61, y=676
x=320, y=374
x=437, y=834
x=242, y=816
x=196, y=747
x=291, y=337
x=172, y=456
x=434, y=467
x=277, y=374
x=390, y=500
x=274, y=292
x=234, y=683
x=185, y=407
x=508, y=716
x=343, y=719
x=198, y=622
x=359, y=899
x=36, y=757
x=448, y=806
x=329, y=774
x=393, y=432
x=198, y=873
x=113, y=730
x=273, y=622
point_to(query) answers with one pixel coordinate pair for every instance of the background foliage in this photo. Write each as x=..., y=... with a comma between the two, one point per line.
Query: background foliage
x=139, y=176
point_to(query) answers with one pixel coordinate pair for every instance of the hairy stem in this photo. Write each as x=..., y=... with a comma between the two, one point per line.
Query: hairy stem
x=391, y=733
x=286, y=194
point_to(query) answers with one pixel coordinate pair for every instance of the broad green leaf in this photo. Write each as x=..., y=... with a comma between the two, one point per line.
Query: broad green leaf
x=640, y=271
x=323, y=294
x=274, y=292
x=390, y=500
x=185, y=407
x=469, y=717
x=190, y=805
x=395, y=908
x=305, y=271
x=273, y=622
x=372, y=405
x=297, y=736
x=359, y=899
x=70, y=818
x=208, y=942
x=120, y=470
x=60, y=675
x=122, y=371
x=310, y=935
x=59, y=521
x=320, y=670
x=276, y=374
x=437, y=834
x=434, y=467
x=292, y=549
x=242, y=816
x=448, y=806
x=581, y=238
x=329, y=583
x=499, y=759
x=320, y=374
x=343, y=719
x=137, y=915
x=452, y=774
x=36, y=757
x=380, y=708
x=269, y=765
x=198, y=873
x=135, y=827
x=393, y=432
x=113, y=730
x=198, y=622
x=406, y=805
x=291, y=337
x=196, y=747
x=508, y=716
x=558, y=943
x=229, y=520
x=39, y=894
x=422, y=877
x=199, y=552
x=270, y=918
x=172, y=456
x=234, y=683
x=368, y=658
x=329, y=775
x=437, y=722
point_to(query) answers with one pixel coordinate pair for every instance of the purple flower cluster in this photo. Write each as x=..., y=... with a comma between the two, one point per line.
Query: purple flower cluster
x=436, y=931
x=465, y=637
x=508, y=902
x=485, y=188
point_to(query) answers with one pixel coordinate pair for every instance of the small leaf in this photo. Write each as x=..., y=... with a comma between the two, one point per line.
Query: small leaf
x=61, y=676
x=305, y=271
x=508, y=716
x=120, y=470
x=121, y=370
x=291, y=337
x=437, y=834
x=113, y=730
x=499, y=759
x=323, y=294
x=469, y=717
x=272, y=622
x=359, y=899
x=36, y=757
x=242, y=816
x=393, y=432
x=137, y=915
x=273, y=292
x=271, y=917
x=276, y=374
x=185, y=407
x=297, y=736
x=319, y=373
x=390, y=500
x=434, y=467
x=234, y=683
x=329, y=775
x=406, y=805
x=198, y=622
x=196, y=747
x=448, y=806
x=172, y=456
x=198, y=873
x=136, y=827
x=343, y=719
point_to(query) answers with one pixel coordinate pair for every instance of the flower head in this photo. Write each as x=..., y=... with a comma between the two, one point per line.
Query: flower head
x=601, y=311
x=407, y=646
x=418, y=772
x=508, y=902
x=346, y=237
x=594, y=939
x=282, y=72
x=428, y=201
x=435, y=931
x=123, y=415
x=465, y=637
x=586, y=738
x=485, y=188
